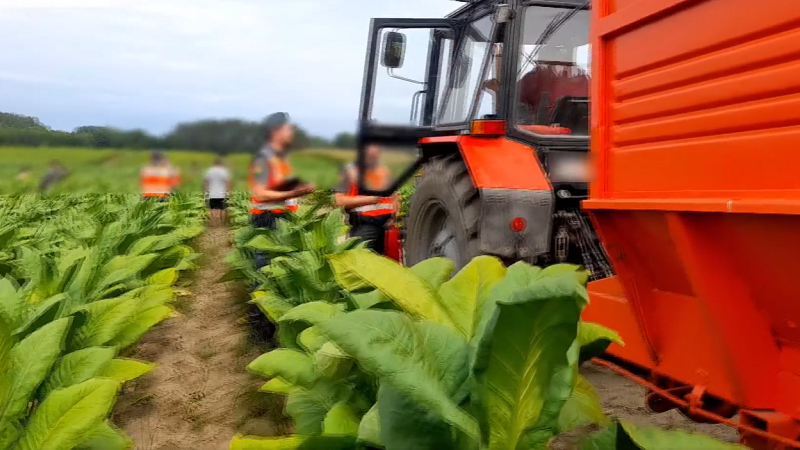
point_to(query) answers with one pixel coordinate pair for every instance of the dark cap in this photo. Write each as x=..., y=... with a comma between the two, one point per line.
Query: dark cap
x=274, y=121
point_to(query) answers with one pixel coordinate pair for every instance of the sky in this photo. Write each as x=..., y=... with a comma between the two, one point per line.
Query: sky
x=153, y=63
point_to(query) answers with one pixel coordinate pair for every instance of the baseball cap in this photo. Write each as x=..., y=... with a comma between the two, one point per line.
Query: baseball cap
x=275, y=121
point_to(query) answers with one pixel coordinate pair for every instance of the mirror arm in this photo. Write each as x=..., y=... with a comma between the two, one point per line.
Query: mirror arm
x=390, y=71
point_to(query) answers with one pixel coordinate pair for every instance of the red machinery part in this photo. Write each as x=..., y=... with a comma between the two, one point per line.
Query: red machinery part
x=697, y=202
x=393, y=245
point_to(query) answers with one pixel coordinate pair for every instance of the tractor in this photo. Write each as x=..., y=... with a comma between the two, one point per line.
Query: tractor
x=673, y=184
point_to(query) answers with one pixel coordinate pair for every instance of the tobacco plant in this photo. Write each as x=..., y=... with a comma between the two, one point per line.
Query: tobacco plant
x=487, y=359
x=82, y=279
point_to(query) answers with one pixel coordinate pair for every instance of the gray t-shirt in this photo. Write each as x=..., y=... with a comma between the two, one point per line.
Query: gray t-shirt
x=217, y=179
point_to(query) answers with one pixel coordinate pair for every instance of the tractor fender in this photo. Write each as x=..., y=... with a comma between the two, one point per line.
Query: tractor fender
x=512, y=184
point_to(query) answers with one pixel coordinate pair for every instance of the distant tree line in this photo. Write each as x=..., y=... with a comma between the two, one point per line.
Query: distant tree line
x=218, y=136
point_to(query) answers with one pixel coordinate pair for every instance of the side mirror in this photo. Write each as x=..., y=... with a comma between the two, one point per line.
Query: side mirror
x=394, y=49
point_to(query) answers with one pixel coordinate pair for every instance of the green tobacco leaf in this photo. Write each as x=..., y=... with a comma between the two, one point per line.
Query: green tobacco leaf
x=106, y=319
x=106, y=437
x=580, y=275
x=68, y=416
x=240, y=442
x=369, y=430
x=166, y=277
x=139, y=325
x=426, y=362
x=658, y=439
x=30, y=361
x=332, y=362
x=79, y=366
x=464, y=296
x=532, y=361
x=143, y=245
x=277, y=385
x=434, y=271
x=405, y=424
x=152, y=296
x=44, y=313
x=232, y=275
x=271, y=305
x=594, y=339
x=132, y=263
x=13, y=307
x=294, y=443
x=341, y=420
x=308, y=407
x=311, y=339
x=265, y=244
x=626, y=436
x=519, y=276
x=123, y=370
x=293, y=366
x=354, y=268
x=369, y=299
x=312, y=312
x=582, y=407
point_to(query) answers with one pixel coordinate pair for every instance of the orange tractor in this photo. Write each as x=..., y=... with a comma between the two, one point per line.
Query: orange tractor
x=690, y=183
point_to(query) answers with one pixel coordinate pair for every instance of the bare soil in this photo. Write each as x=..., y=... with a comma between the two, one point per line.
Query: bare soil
x=201, y=393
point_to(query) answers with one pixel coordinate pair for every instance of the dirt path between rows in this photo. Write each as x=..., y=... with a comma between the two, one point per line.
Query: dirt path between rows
x=201, y=394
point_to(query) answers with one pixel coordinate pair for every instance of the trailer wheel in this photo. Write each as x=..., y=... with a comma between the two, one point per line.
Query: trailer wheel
x=444, y=214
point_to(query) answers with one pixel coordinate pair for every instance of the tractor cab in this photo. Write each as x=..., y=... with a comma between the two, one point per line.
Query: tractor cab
x=491, y=105
x=427, y=78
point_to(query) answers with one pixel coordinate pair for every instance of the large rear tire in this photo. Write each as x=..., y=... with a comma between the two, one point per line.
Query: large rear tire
x=444, y=216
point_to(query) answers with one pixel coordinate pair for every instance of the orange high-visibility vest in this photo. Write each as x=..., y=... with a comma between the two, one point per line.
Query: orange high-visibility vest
x=279, y=171
x=376, y=179
x=158, y=181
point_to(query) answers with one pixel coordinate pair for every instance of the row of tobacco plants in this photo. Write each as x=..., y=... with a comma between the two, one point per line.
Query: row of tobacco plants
x=82, y=278
x=373, y=355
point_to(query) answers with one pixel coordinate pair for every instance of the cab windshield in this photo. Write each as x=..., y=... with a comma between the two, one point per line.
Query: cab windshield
x=553, y=75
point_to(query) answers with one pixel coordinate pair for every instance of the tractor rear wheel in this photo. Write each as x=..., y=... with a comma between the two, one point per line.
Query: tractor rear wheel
x=444, y=214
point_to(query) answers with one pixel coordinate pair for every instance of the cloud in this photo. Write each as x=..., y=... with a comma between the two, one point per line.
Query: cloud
x=126, y=62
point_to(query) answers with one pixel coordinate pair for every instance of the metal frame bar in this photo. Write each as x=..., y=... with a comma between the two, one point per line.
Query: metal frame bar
x=693, y=407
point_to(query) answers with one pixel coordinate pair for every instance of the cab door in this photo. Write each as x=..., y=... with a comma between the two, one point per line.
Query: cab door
x=407, y=61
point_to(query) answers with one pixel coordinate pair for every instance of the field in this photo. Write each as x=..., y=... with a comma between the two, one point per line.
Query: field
x=194, y=358
x=117, y=171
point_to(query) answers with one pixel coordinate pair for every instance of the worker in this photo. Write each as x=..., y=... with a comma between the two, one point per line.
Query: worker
x=555, y=73
x=270, y=177
x=216, y=185
x=159, y=178
x=369, y=216
x=56, y=173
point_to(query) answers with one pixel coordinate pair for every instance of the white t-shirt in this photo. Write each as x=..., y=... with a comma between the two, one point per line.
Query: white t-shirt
x=217, y=179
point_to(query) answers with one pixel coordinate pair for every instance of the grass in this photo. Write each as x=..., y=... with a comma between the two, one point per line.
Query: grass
x=117, y=171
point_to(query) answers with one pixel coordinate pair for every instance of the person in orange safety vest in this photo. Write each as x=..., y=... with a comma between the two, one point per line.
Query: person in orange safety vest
x=159, y=178
x=370, y=216
x=274, y=191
